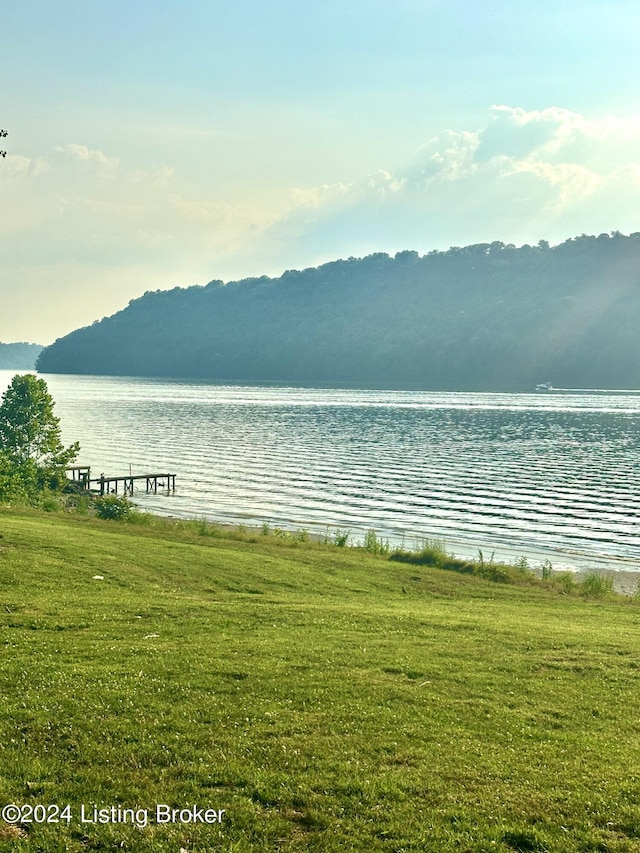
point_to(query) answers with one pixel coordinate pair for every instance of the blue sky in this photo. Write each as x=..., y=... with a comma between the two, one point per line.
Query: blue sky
x=155, y=145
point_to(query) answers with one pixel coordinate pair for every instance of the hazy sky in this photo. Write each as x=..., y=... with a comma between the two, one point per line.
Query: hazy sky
x=155, y=145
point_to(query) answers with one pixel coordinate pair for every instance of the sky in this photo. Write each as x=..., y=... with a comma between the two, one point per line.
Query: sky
x=169, y=144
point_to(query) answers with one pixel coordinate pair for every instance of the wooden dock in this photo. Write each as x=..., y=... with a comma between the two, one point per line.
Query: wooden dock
x=81, y=476
x=109, y=485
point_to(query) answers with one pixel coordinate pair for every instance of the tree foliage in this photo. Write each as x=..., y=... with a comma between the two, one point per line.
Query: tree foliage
x=19, y=356
x=16, y=486
x=487, y=317
x=32, y=455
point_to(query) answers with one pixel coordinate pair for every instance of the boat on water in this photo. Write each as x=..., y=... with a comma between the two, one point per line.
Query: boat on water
x=547, y=387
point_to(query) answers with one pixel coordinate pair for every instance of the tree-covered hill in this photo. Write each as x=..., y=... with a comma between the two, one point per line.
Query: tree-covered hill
x=482, y=317
x=20, y=356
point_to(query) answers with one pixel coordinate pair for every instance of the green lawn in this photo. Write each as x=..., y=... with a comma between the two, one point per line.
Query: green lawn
x=325, y=698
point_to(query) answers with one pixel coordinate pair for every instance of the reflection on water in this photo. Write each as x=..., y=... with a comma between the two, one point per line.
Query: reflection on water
x=548, y=475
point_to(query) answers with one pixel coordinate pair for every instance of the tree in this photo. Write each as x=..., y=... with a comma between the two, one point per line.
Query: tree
x=30, y=437
x=13, y=487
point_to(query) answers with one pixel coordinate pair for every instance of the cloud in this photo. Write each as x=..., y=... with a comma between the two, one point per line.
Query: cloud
x=17, y=166
x=81, y=207
x=77, y=203
x=447, y=157
x=525, y=175
x=158, y=175
x=557, y=135
x=518, y=134
x=318, y=196
x=81, y=154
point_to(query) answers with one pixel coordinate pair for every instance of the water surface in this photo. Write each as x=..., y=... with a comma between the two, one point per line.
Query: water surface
x=543, y=475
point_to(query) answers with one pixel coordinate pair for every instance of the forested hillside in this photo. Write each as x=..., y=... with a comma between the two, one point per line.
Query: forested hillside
x=19, y=356
x=482, y=317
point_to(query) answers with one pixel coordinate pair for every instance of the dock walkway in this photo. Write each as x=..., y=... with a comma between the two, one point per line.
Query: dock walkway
x=81, y=476
x=154, y=482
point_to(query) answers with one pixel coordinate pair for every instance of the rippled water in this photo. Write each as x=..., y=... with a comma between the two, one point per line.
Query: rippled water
x=543, y=475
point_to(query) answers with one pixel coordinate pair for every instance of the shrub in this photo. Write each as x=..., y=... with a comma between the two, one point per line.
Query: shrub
x=435, y=550
x=78, y=501
x=49, y=502
x=596, y=585
x=374, y=545
x=491, y=571
x=341, y=538
x=279, y=533
x=566, y=581
x=202, y=527
x=113, y=507
x=521, y=564
x=431, y=552
x=488, y=569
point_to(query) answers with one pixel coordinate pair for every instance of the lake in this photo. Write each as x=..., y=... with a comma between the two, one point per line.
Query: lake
x=548, y=475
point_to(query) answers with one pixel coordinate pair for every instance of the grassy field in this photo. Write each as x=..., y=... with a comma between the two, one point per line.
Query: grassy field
x=325, y=698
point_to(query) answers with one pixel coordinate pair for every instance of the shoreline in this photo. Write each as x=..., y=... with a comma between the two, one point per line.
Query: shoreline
x=625, y=581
